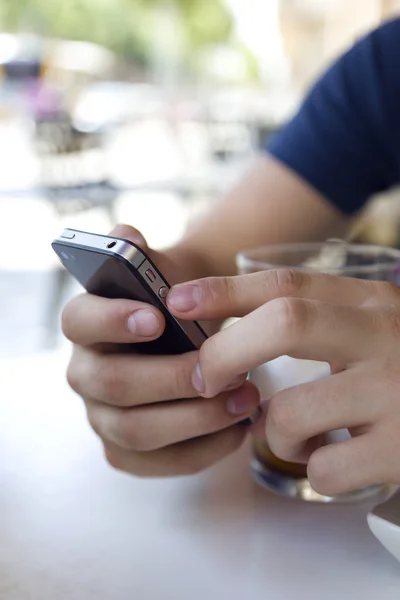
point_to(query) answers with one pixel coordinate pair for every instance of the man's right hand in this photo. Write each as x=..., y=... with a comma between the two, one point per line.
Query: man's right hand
x=144, y=408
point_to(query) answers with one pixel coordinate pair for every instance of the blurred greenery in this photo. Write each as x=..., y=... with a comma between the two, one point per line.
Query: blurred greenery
x=124, y=26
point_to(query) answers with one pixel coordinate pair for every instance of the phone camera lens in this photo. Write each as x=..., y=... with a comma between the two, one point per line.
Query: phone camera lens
x=111, y=244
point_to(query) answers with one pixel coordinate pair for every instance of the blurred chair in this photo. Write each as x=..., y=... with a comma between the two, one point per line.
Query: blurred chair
x=73, y=172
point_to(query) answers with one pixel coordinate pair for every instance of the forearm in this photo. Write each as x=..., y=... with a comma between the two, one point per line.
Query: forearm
x=271, y=205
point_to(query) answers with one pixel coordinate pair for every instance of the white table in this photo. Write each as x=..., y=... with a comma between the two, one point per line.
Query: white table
x=72, y=528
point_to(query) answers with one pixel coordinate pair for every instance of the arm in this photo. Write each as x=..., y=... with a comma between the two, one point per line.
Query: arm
x=138, y=404
x=339, y=150
x=271, y=205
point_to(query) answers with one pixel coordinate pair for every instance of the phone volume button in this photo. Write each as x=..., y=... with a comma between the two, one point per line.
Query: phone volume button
x=163, y=291
x=68, y=235
x=151, y=276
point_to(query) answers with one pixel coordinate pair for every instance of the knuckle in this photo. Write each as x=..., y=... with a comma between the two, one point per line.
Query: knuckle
x=124, y=462
x=221, y=288
x=282, y=418
x=196, y=459
x=233, y=289
x=93, y=420
x=130, y=430
x=180, y=378
x=209, y=352
x=291, y=317
x=281, y=451
x=188, y=467
x=68, y=319
x=73, y=378
x=214, y=287
x=387, y=371
x=386, y=290
x=194, y=463
x=116, y=314
x=112, y=457
x=289, y=282
x=208, y=358
x=206, y=352
x=110, y=381
x=390, y=323
x=132, y=435
x=384, y=323
x=384, y=437
x=320, y=474
x=123, y=429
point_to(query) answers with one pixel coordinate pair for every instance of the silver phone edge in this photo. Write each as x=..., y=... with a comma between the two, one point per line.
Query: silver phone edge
x=138, y=259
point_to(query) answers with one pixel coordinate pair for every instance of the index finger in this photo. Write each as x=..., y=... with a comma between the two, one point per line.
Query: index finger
x=305, y=329
x=223, y=297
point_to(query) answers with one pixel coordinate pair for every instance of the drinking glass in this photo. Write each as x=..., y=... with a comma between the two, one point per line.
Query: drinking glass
x=333, y=257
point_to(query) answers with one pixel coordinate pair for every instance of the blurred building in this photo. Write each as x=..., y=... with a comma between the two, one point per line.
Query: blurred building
x=316, y=31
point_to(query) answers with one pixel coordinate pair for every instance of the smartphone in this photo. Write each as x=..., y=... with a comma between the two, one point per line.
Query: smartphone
x=116, y=268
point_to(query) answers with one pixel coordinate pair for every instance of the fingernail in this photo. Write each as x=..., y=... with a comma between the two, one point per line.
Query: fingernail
x=185, y=297
x=240, y=403
x=143, y=323
x=197, y=380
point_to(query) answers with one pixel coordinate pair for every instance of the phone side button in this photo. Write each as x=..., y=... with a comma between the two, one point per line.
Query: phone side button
x=67, y=235
x=163, y=291
x=151, y=275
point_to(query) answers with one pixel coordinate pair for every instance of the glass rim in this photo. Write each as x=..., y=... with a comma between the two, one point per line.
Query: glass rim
x=243, y=260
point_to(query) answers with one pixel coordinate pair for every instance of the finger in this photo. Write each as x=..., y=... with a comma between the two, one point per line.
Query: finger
x=155, y=426
x=348, y=466
x=304, y=412
x=185, y=458
x=124, y=380
x=89, y=319
x=223, y=297
x=287, y=326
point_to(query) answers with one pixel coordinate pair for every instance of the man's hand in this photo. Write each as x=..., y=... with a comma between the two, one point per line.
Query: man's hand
x=144, y=408
x=352, y=324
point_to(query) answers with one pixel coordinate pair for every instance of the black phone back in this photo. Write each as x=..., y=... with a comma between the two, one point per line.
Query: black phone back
x=112, y=276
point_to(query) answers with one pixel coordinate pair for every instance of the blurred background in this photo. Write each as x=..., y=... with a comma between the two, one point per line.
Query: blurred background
x=144, y=111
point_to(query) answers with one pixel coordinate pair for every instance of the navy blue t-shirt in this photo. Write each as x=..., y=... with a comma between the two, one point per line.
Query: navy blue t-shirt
x=345, y=139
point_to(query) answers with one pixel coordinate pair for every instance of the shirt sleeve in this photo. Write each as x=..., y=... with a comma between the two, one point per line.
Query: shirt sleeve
x=345, y=138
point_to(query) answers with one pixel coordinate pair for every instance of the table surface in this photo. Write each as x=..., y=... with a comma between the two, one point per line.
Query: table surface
x=73, y=528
